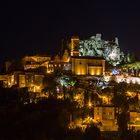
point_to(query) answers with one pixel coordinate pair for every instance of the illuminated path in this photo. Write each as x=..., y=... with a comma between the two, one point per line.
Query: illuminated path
x=129, y=79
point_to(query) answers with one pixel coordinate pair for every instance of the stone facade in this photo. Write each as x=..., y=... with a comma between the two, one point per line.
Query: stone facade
x=88, y=66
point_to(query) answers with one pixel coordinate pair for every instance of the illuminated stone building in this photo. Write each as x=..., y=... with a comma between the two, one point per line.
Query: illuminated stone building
x=87, y=65
x=83, y=57
x=106, y=115
x=134, y=121
x=33, y=62
x=84, y=64
x=4, y=80
x=33, y=81
x=88, y=56
x=60, y=63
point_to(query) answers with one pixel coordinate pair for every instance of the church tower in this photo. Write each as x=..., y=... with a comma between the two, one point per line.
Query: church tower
x=74, y=46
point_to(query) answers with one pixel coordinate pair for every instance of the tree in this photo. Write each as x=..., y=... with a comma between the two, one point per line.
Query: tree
x=120, y=98
x=50, y=84
x=122, y=123
x=24, y=95
x=67, y=82
x=92, y=133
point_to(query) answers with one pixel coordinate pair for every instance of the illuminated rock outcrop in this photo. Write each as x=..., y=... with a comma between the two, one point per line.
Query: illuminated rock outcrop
x=97, y=47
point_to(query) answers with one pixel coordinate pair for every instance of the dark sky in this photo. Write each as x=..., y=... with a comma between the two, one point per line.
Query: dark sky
x=37, y=27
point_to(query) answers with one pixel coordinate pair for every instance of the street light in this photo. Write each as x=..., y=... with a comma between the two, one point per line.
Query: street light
x=89, y=104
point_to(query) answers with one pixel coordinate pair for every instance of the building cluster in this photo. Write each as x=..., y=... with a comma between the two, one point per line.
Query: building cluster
x=85, y=59
x=39, y=66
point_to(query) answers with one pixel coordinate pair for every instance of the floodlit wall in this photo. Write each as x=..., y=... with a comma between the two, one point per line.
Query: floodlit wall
x=106, y=115
x=87, y=66
x=32, y=81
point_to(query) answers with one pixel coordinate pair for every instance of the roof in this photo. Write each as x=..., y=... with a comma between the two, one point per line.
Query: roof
x=87, y=57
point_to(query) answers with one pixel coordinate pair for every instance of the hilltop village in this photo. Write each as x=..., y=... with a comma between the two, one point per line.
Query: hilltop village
x=89, y=82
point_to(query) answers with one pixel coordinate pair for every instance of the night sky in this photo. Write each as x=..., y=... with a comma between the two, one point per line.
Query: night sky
x=29, y=28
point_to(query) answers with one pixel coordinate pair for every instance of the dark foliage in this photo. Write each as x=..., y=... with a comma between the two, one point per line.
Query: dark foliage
x=92, y=133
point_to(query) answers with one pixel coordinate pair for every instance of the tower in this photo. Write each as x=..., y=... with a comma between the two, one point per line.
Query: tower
x=74, y=46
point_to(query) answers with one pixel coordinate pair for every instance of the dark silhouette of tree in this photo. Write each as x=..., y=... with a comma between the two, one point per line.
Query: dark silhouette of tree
x=122, y=123
x=92, y=133
x=24, y=95
x=47, y=119
x=74, y=134
x=120, y=98
x=9, y=96
x=112, y=80
x=50, y=84
x=120, y=101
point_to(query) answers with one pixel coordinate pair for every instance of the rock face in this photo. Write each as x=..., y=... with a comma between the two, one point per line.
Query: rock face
x=97, y=47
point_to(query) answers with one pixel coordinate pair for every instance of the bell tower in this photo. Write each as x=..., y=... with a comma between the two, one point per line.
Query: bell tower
x=74, y=46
